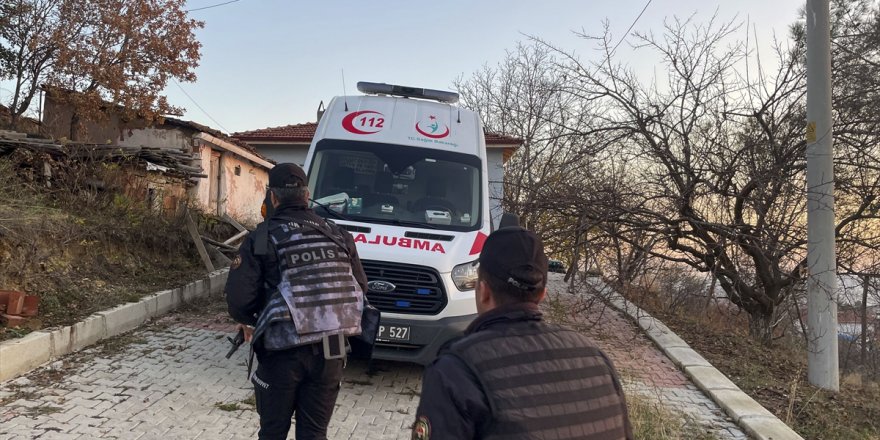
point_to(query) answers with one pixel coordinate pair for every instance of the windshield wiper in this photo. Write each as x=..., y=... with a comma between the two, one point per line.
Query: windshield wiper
x=330, y=211
x=411, y=223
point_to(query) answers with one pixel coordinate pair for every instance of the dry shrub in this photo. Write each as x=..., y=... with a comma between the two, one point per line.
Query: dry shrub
x=653, y=421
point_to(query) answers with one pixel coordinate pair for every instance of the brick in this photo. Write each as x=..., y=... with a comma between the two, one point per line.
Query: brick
x=12, y=321
x=31, y=305
x=4, y=299
x=15, y=303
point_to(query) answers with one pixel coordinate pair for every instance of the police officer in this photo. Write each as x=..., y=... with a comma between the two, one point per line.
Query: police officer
x=296, y=289
x=513, y=376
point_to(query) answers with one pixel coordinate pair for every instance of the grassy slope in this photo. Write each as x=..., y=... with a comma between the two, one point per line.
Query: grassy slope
x=776, y=377
x=81, y=250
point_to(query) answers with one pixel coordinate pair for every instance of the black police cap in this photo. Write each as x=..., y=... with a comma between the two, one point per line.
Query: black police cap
x=515, y=255
x=287, y=175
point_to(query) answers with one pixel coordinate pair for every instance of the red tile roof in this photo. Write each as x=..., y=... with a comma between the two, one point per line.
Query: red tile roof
x=303, y=133
x=290, y=133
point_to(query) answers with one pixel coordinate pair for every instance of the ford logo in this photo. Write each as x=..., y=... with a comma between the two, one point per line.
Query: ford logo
x=380, y=286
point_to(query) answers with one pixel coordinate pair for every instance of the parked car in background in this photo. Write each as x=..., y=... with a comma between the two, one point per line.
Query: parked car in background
x=556, y=266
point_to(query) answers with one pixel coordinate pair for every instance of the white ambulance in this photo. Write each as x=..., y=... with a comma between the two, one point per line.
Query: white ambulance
x=404, y=170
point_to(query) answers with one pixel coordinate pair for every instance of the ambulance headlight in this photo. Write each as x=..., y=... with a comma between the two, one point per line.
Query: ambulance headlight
x=465, y=275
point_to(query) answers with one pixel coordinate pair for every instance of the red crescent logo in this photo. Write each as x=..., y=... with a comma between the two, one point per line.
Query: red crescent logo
x=432, y=136
x=348, y=122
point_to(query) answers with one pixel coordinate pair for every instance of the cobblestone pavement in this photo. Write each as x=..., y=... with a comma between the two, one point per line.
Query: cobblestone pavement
x=170, y=380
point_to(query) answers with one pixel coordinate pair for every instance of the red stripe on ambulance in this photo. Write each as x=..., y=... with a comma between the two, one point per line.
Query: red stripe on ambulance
x=477, y=247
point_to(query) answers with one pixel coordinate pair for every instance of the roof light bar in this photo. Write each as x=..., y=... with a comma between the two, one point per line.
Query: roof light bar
x=408, y=92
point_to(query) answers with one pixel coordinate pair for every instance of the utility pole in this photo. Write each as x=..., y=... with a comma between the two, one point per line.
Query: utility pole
x=822, y=368
x=864, y=348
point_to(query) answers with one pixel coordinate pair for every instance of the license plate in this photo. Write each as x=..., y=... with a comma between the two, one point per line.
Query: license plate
x=393, y=333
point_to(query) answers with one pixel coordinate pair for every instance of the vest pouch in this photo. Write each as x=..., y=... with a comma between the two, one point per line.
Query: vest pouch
x=362, y=344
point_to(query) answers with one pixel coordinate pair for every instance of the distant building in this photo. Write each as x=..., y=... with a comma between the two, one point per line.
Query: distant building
x=233, y=174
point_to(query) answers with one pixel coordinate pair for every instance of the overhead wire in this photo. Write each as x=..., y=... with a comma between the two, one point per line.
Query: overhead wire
x=212, y=6
x=631, y=26
x=622, y=39
x=200, y=107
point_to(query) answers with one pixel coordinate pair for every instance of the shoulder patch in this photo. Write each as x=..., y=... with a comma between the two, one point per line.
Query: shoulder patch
x=235, y=262
x=422, y=429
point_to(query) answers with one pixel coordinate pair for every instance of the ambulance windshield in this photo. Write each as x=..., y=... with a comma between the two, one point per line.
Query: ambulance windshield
x=392, y=184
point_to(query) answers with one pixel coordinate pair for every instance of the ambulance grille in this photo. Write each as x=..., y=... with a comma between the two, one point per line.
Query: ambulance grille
x=419, y=289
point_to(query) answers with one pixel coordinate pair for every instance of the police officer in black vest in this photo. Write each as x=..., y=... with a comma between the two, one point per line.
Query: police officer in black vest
x=296, y=288
x=513, y=376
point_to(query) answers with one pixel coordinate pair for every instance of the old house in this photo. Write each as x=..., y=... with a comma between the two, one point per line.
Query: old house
x=233, y=175
x=290, y=143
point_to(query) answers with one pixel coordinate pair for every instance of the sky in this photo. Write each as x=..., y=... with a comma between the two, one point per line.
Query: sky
x=270, y=62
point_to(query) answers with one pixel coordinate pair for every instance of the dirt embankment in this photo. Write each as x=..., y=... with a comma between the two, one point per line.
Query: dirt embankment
x=776, y=375
x=85, y=247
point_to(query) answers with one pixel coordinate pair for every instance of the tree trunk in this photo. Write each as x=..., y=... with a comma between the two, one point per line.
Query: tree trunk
x=710, y=296
x=75, y=127
x=573, y=269
x=761, y=326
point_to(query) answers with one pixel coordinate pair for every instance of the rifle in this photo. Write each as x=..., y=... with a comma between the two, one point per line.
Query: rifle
x=239, y=339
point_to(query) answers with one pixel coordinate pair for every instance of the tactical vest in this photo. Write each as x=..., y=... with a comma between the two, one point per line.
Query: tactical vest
x=544, y=382
x=317, y=295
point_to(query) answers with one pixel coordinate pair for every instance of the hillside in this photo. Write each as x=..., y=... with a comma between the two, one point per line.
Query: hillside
x=83, y=240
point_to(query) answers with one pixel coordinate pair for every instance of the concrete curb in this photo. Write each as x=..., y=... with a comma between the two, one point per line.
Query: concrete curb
x=19, y=356
x=753, y=418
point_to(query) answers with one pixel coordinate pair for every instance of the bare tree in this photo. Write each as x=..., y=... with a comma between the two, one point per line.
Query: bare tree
x=720, y=159
x=702, y=165
x=553, y=180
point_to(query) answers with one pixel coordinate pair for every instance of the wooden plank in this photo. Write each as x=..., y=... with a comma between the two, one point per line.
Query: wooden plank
x=222, y=259
x=234, y=223
x=236, y=237
x=218, y=244
x=194, y=233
